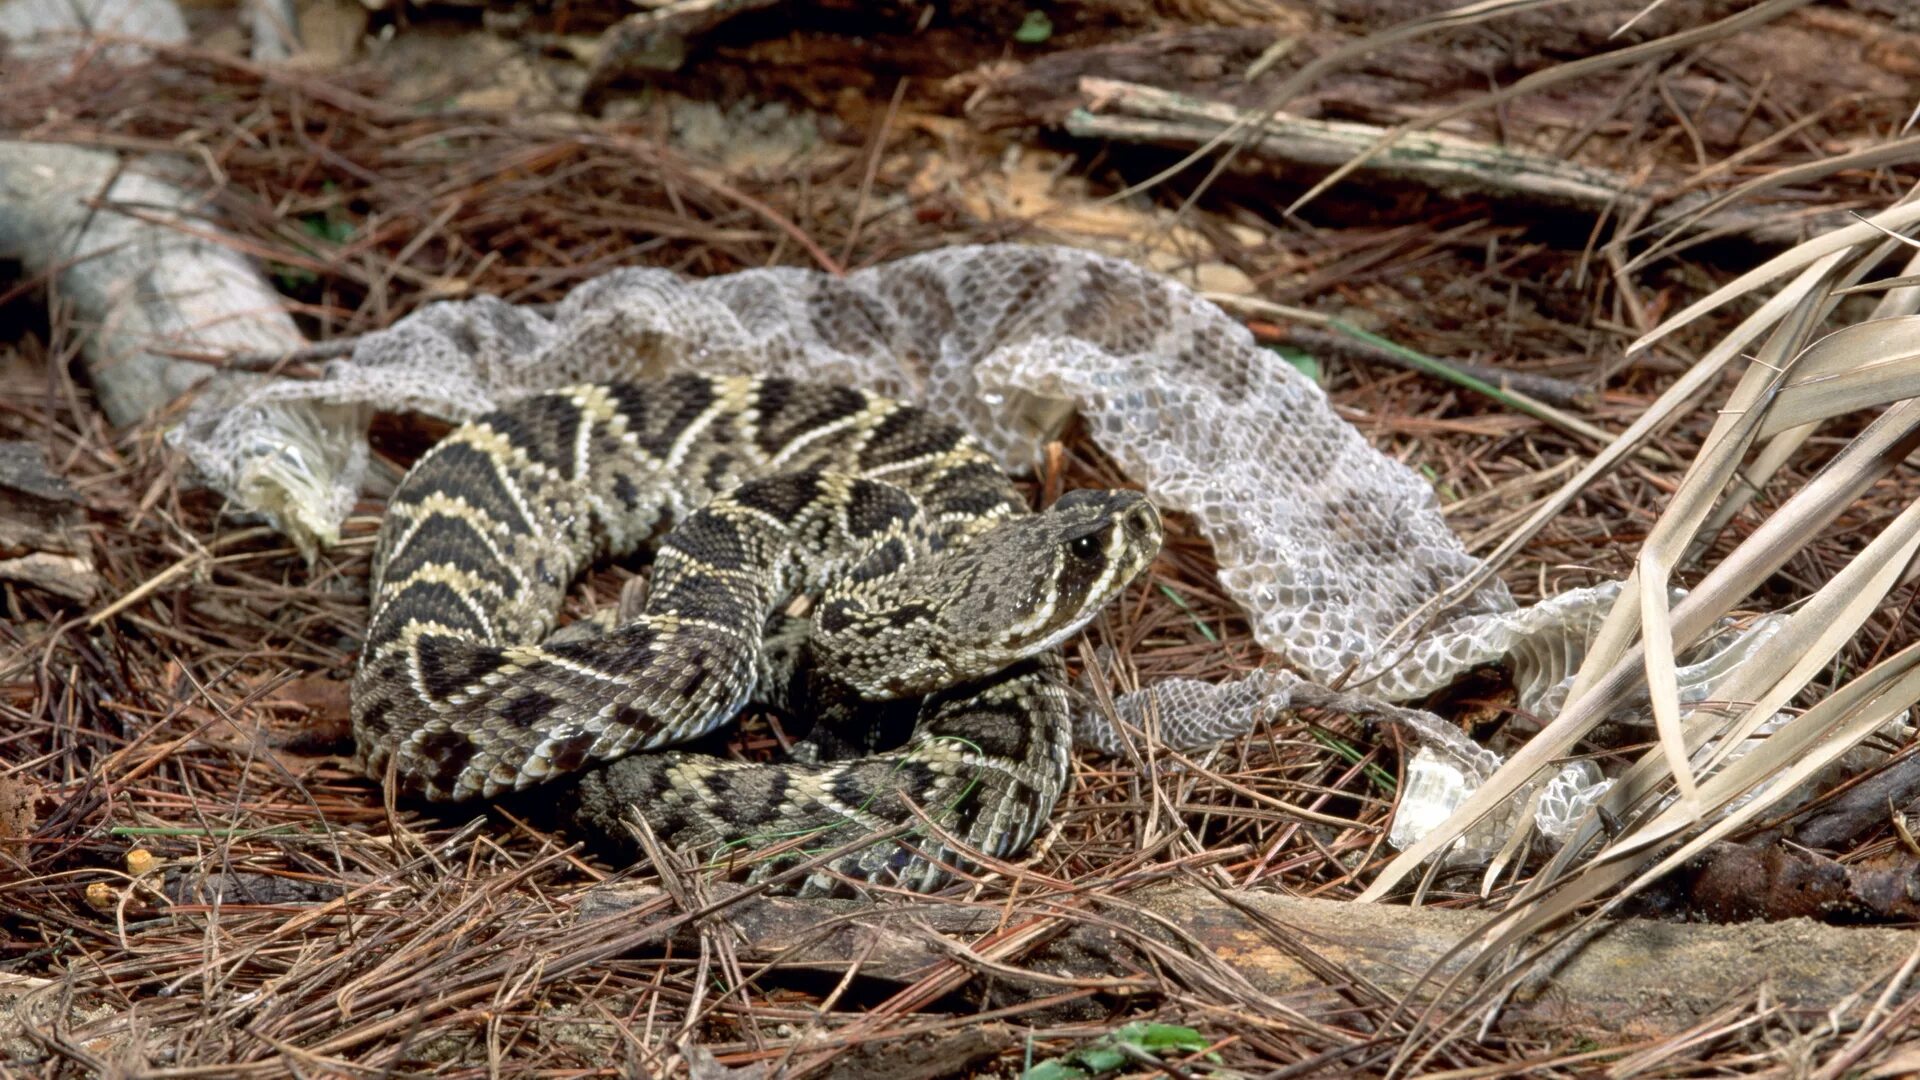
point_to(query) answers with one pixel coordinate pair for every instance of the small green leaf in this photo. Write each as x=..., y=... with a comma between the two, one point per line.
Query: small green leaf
x=1303, y=362
x=328, y=227
x=1164, y=1037
x=292, y=279
x=1104, y=1056
x=1181, y=603
x=1099, y=1059
x=1035, y=29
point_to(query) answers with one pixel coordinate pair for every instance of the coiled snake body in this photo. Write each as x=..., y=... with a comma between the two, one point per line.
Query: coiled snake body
x=930, y=585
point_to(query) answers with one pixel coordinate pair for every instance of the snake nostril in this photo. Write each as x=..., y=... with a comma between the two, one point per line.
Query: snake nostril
x=1140, y=519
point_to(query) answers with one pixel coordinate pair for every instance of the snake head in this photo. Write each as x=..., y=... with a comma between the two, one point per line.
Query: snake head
x=1017, y=589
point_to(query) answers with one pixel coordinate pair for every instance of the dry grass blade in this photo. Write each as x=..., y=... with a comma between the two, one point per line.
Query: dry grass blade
x=1801, y=649
x=1666, y=546
x=1781, y=447
x=1593, y=694
x=1904, y=283
x=1664, y=411
x=1643, y=602
x=1609, y=671
x=1858, y=367
x=1652, y=6
x=1894, y=219
x=1793, y=756
x=1879, y=155
x=1781, y=668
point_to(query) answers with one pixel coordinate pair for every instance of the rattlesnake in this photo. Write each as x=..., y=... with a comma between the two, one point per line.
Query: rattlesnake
x=935, y=598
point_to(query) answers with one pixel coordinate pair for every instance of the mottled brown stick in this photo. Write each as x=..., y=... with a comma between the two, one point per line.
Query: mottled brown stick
x=1638, y=979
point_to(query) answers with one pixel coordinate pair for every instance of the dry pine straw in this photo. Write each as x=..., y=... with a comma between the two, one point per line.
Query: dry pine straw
x=175, y=726
x=177, y=723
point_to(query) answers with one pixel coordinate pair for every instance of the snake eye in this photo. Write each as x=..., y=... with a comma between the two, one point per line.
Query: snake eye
x=1084, y=547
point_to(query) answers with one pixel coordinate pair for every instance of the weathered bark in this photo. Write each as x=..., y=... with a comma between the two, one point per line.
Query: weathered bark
x=1732, y=882
x=1204, y=61
x=1637, y=979
x=43, y=537
x=1552, y=148
x=135, y=269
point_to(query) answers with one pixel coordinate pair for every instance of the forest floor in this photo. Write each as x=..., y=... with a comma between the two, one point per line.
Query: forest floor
x=191, y=709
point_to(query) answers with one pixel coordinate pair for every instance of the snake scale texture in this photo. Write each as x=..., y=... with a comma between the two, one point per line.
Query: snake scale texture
x=854, y=563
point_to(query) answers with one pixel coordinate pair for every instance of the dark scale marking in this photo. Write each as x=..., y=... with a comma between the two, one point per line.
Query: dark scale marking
x=631, y=647
x=526, y=708
x=604, y=445
x=695, y=682
x=1000, y=729
x=742, y=798
x=872, y=509
x=717, y=788
x=805, y=412
x=565, y=419
x=633, y=718
x=450, y=752
x=782, y=498
x=656, y=420
x=544, y=427
x=870, y=786
x=773, y=397
x=838, y=614
x=903, y=616
x=766, y=792
x=973, y=504
x=637, y=404
x=459, y=471
x=571, y=752
x=882, y=561
x=450, y=665
x=723, y=433
x=544, y=574
x=631, y=402
x=777, y=787
x=958, y=812
x=374, y=718
x=711, y=539
x=854, y=728
x=708, y=598
x=393, y=668
x=722, y=471
x=693, y=396
x=625, y=490
x=428, y=602
x=906, y=434
x=449, y=541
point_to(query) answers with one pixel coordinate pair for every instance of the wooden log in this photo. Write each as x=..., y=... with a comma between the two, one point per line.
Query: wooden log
x=1452, y=164
x=1636, y=979
x=119, y=244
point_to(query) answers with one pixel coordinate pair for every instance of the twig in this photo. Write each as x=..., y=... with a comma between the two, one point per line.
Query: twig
x=1133, y=112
